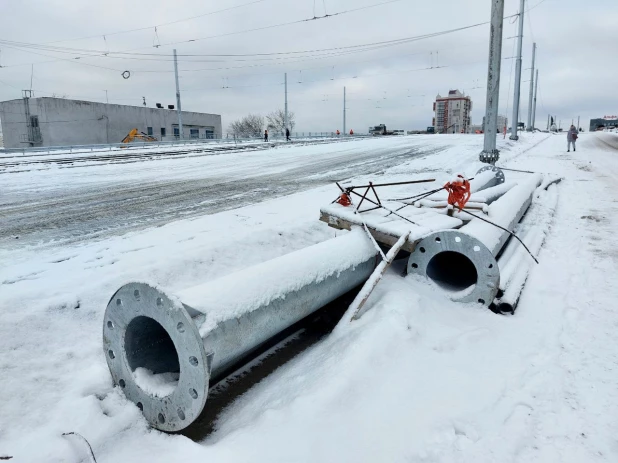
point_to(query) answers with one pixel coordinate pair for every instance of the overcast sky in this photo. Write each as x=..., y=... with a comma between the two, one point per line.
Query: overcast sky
x=577, y=56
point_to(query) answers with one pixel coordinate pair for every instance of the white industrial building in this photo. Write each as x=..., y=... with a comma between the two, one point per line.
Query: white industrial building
x=452, y=113
x=61, y=122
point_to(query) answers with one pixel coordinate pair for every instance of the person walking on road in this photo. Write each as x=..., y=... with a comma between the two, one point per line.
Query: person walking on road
x=287, y=134
x=266, y=135
x=571, y=137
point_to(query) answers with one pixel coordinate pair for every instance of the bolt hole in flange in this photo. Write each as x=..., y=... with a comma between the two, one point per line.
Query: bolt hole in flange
x=452, y=271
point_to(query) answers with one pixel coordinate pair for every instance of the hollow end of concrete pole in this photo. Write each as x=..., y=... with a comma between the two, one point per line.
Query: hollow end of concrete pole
x=458, y=264
x=156, y=356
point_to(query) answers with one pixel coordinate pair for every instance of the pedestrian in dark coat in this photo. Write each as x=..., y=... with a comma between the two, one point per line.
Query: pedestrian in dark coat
x=265, y=135
x=571, y=138
x=287, y=134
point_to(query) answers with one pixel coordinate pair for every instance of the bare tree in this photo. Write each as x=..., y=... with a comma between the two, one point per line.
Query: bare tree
x=276, y=121
x=248, y=126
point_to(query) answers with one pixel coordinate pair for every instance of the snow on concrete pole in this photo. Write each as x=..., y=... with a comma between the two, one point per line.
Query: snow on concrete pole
x=536, y=88
x=548, y=121
x=178, y=108
x=344, y=132
x=490, y=154
x=529, y=128
x=285, y=122
x=520, y=37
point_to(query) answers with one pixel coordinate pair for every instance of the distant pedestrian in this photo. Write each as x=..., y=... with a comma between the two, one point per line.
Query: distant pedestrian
x=571, y=138
x=351, y=132
x=287, y=134
x=338, y=132
x=265, y=135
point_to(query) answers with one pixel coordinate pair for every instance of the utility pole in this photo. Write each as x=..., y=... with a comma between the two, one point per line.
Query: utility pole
x=344, y=132
x=536, y=89
x=578, y=123
x=106, y=98
x=178, y=108
x=529, y=128
x=490, y=154
x=285, y=122
x=516, y=96
x=548, y=122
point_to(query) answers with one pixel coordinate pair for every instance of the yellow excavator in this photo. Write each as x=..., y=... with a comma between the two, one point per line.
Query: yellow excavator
x=134, y=135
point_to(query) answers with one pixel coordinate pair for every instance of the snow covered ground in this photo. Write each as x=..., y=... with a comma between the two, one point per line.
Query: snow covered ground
x=418, y=378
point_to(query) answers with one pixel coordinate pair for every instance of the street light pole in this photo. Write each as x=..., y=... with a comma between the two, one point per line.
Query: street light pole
x=516, y=97
x=529, y=128
x=536, y=88
x=285, y=122
x=178, y=108
x=344, y=132
x=490, y=154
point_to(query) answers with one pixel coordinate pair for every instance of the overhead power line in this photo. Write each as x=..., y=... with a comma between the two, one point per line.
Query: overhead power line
x=145, y=28
x=69, y=50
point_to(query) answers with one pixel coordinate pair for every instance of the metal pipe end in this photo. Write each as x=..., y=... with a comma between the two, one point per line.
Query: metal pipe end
x=500, y=178
x=459, y=264
x=155, y=354
x=505, y=307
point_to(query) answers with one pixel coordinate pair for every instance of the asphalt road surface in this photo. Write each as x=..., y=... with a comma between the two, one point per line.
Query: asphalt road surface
x=47, y=205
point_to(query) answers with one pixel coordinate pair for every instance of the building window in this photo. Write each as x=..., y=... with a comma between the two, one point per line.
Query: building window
x=149, y=130
x=162, y=132
x=34, y=121
x=209, y=134
x=176, y=132
x=195, y=133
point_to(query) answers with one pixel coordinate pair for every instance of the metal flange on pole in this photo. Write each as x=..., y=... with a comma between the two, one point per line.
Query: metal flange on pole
x=458, y=263
x=164, y=353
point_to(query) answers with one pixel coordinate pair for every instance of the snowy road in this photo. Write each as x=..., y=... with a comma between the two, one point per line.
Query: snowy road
x=67, y=204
